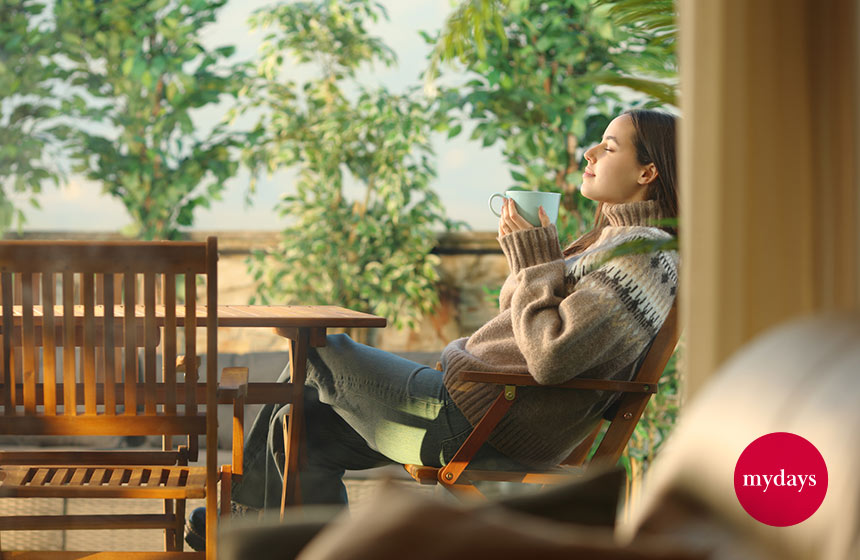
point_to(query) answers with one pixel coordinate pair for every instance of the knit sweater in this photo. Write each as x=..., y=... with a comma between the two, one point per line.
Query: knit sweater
x=584, y=316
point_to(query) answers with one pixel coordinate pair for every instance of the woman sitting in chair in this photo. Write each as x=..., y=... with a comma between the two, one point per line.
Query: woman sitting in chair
x=562, y=314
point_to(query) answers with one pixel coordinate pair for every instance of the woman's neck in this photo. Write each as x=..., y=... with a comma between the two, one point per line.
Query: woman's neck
x=643, y=213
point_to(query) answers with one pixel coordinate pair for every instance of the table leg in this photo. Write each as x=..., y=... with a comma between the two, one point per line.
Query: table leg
x=298, y=364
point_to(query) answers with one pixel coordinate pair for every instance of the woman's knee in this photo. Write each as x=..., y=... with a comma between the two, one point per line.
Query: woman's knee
x=336, y=345
x=338, y=340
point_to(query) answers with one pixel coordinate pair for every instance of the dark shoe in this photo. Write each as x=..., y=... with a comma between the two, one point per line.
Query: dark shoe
x=195, y=529
x=133, y=441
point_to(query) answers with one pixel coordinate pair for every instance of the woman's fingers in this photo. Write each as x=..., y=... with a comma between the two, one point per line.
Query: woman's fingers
x=502, y=218
x=518, y=221
x=544, y=219
x=511, y=220
x=504, y=229
x=505, y=221
x=506, y=212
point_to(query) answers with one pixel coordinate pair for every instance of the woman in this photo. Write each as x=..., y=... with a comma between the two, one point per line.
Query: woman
x=562, y=314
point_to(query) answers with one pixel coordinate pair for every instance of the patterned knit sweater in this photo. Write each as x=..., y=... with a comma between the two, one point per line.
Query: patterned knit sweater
x=559, y=319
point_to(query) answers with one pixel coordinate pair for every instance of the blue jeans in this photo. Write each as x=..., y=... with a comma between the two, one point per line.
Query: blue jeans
x=364, y=408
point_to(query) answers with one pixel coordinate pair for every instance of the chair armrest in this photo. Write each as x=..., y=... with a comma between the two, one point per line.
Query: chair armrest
x=233, y=383
x=526, y=380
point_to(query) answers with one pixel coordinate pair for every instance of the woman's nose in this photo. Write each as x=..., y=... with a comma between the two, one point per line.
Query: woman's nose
x=589, y=155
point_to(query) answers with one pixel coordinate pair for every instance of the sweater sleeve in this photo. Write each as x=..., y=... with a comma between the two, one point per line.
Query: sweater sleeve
x=529, y=247
x=523, y=249
x=610, y=315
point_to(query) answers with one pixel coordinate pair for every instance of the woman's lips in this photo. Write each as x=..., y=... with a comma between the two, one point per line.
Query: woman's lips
x=588, y=173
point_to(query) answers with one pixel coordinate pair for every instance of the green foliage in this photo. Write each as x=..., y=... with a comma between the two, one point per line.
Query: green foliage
x=463, y=34
x=492, y=295
x=139, y=71
x=648, y=63
x=372, y=252
x=542, y=68
x=329, y=33
x=26, y=128
x=650, y=23
x=655, y=18
x=537, y=91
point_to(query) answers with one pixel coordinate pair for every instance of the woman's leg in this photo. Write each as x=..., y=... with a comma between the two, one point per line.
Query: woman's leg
x=364, y=408
x=399, y=408
x=331, y=447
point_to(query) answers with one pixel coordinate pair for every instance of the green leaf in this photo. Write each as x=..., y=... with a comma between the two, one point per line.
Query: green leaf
x=226, y=51
x=127, y=65
x=138, y=68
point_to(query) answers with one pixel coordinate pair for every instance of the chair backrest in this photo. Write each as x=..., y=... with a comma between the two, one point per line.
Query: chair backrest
x=627, y=411
x=69, y=332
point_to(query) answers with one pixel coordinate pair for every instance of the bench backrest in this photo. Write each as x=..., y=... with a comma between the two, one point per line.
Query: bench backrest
x=72, y=366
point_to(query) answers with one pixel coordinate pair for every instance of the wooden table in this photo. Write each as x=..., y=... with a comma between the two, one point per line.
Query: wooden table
x=276, y=316
x=304, y=325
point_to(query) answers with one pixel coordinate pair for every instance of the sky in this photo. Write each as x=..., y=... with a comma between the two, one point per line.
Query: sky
x=467, y=173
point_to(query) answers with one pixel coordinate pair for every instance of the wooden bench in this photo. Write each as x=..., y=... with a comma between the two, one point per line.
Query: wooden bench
x=70, y=367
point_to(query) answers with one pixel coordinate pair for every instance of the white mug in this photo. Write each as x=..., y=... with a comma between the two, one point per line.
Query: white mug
x=528, y=202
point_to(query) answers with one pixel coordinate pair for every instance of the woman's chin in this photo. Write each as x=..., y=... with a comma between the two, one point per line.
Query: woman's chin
x=586, y=192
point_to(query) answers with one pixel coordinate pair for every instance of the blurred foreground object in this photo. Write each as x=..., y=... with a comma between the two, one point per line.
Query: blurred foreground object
x=801, y=378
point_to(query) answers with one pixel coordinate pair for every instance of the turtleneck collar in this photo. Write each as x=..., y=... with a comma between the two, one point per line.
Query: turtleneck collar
x=642, y=213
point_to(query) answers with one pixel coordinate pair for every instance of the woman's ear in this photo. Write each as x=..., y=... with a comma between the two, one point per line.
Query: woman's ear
x=648, y=174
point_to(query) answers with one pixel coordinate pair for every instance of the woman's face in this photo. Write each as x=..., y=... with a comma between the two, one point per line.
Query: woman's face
x=613, y=173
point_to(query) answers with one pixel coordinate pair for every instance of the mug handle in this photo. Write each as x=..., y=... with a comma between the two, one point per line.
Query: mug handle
x=493, y=210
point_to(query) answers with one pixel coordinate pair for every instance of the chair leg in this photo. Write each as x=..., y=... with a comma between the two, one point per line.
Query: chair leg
x=226, y=490
x=172, y=535
x=169, y=532
x=290, y=468
x=286, y=426
x=180, y=525
x=450, y=473
x=212, y=519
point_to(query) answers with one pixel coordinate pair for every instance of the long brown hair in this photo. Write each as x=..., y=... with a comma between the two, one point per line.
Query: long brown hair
x=654, y=138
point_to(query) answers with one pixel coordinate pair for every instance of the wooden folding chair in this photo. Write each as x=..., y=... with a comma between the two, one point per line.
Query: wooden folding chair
x=64, y=396
x=458, y=477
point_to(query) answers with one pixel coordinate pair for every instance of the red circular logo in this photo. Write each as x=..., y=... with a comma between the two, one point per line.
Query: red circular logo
x=780, y=479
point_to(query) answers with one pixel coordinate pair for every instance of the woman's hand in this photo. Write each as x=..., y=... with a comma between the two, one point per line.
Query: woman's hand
x=511, y=220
